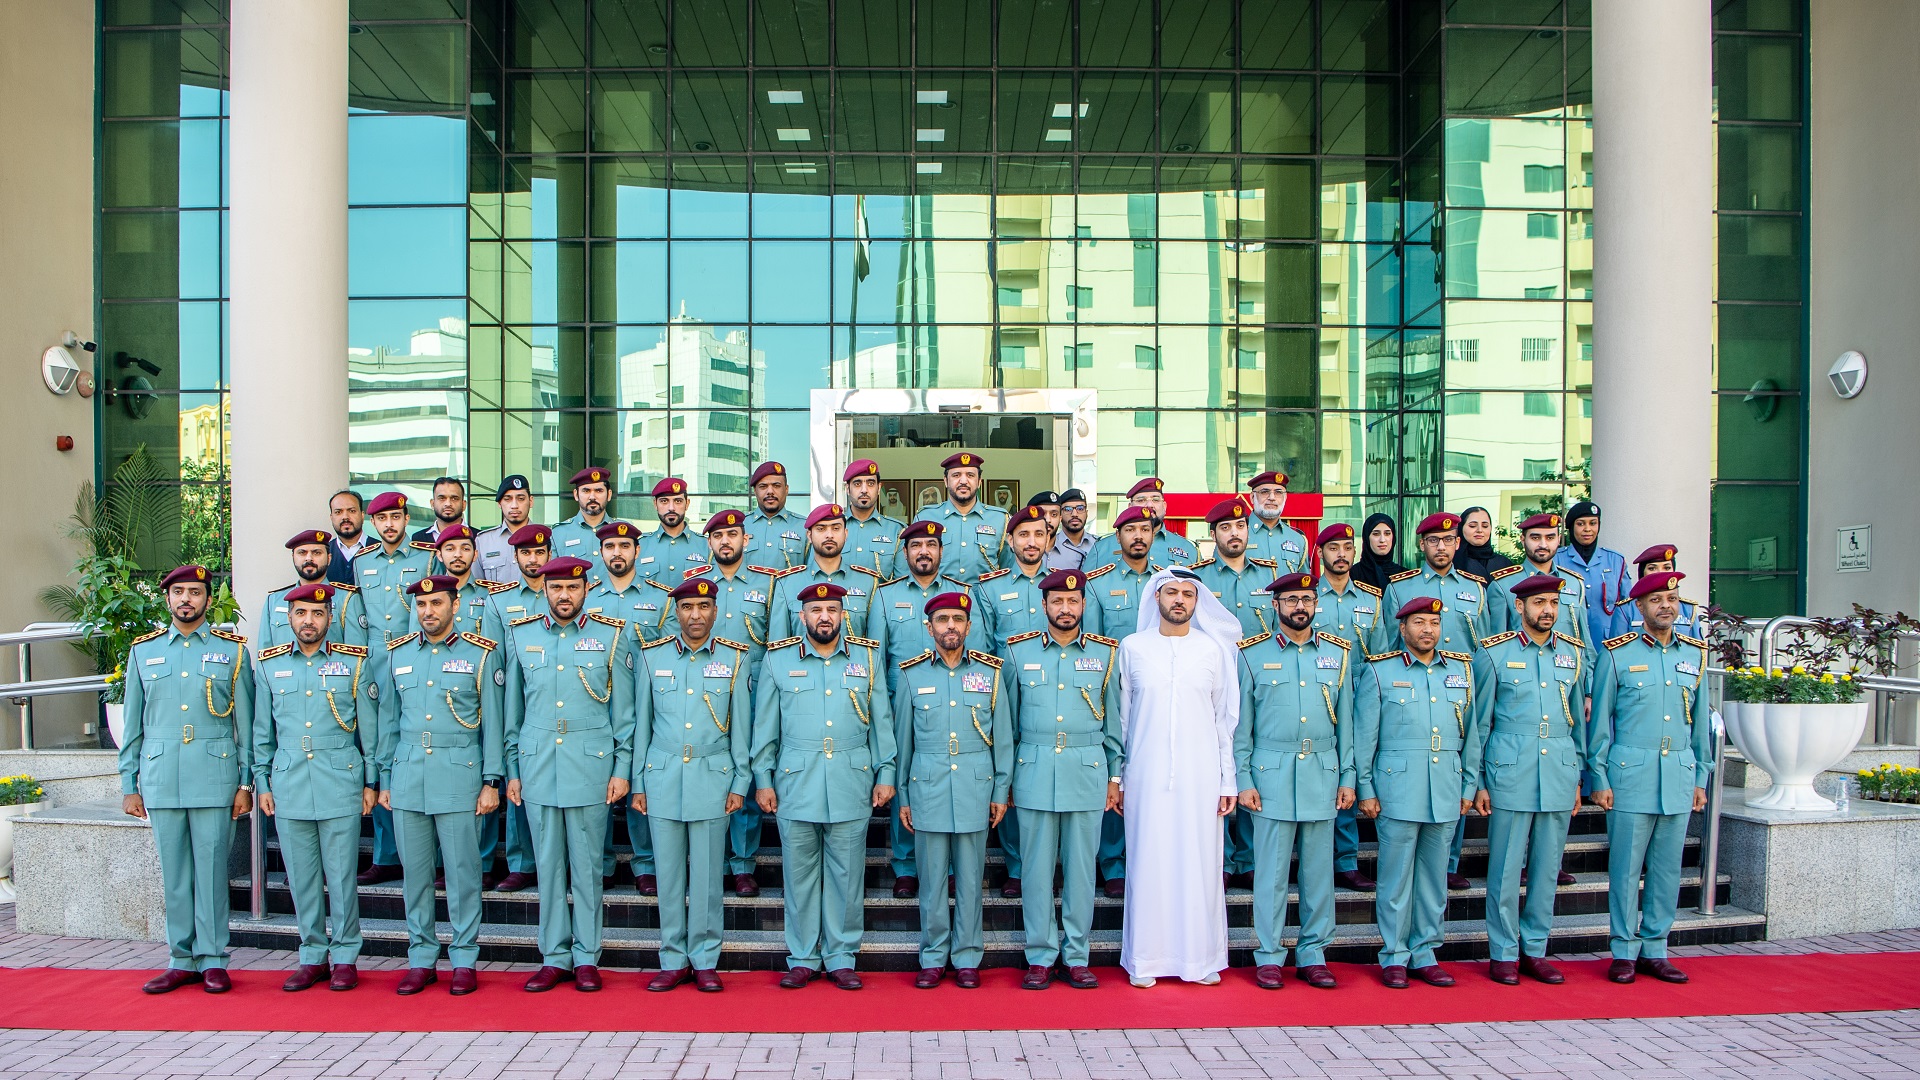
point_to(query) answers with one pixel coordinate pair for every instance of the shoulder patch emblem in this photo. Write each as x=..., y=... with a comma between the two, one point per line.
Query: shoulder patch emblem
x=486, y=643
x=662, y=586
x=344, y=650
x=890, y=581
x=1028, y=636
x=421, y=545
x=1249, y=642
x=693, y=570
x=925, y=654
x=949, y=577
x=988, y=659
x=788, y=570
x=1366, y=588
x=1490, y=642
x=1103, y=639
x=1616, y=642
x=344, y=587
x=281, y=649
x=867, y=570
x=1334, y=639
x=1570, y=639
x=991, y=574
x=1404, y=575
x=399, y=641
x=767, y=570
x=1505, y=571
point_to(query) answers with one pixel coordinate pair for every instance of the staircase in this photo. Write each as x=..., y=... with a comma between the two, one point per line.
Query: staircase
x=753, y=925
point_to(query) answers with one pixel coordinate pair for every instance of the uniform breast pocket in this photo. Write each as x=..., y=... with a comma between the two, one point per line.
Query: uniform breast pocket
x=406, y=678
x=533, y=661
x=794, y=685
x=1034, y=680
x=1393, y=764
x=664, y=685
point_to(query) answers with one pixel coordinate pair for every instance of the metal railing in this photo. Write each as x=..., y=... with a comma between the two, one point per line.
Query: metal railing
x=22, y=691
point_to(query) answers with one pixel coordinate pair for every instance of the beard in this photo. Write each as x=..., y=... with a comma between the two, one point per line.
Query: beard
x=823, y=633
x=1267, y=515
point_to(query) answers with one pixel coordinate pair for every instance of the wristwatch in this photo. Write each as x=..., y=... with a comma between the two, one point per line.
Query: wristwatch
x=494, y=784
x=248, y=788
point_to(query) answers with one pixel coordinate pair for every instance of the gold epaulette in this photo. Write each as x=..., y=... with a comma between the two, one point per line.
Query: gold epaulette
x=1335, y=639
x=421, y=545
x=281, y=649
x=1616, y=642
x=767, y=570
x=162, y=631
x=524, y=621
x=617, y=624
x=656, y=583
x=1694, y=641
x=864, y=642
x=1271, y=564
x=1374, y=658
x=1208, y=561
x=1091, y=574
x=1490, y=642
x=912, y=660
x=1366, y=588
x=1249, y=642
x=228, y=635
x=1460, y=656
x=890, y=581
x=486, y=643
x=1102, y=639
x=399, y=641
x=656, y=642
x=1028, y=636
x=1570, y=639
x=497, y=586
x=343, y=649
x=788, y=570
x=693, y=571
x=1403, y=575
x=344, y=586
x=734, y=645
x=990, y=575
x=1504, y=571
x=867, y=570
x=1475, y=578
x=784, y=642
x=957, y=581
x=988, y=659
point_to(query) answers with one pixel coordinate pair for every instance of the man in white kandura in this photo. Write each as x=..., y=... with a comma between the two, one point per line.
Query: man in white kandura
x=1179, y=704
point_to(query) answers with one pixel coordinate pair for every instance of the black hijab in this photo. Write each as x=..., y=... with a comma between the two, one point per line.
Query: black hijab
x=1374, y=569
x=1478, y=559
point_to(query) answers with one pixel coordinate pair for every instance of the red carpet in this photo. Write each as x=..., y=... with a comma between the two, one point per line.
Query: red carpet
x=1721, y=986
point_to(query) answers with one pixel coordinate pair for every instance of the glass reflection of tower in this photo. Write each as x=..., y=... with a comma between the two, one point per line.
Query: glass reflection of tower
x=704, y=377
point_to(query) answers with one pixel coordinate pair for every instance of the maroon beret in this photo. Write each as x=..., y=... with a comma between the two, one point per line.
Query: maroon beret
x=863, y=467
x=1023, y=515
x=434, y=583
x=766, y=469
x=1340, y=531
x=1441, y=522
x=1144, y=485
x=1301, y=582
x=695, y=588
x=317, y=593
x=965, y=459
x=960, y=602
x=1135, y=513
x=1419, y=605
x=1271, y=476
x=672, y=485
x=1653, y=583
x=592, y=474
x=826, y=512
x=530, y=536
x=823, y=590
x=385, y=501
x=1656, y=553
x=453, y=532
x=190, y=573
x=930, y=530
x=565, y=567
x=1064, y=581
x=1229, y=510
x=1541, y=521
x=726, y=519
x=310, y=536
x=1537, y=584
x=618, y=530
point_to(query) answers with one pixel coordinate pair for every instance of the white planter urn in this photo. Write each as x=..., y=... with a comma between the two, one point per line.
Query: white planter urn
x=8, y=815
x=117, y=721
x=1794, y=744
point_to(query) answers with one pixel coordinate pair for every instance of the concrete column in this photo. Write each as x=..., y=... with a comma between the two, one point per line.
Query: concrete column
x=288, y=259
x=1653, y=263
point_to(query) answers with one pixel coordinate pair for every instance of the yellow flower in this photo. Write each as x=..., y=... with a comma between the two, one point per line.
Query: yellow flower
x=1799, y=669
x=1826, y=677
x=1777, y=673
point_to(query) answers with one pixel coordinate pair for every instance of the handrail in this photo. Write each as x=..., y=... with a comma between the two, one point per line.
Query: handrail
x=1710, y=824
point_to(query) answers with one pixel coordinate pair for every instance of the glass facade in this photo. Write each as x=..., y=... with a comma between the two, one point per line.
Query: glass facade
x=1350, y=239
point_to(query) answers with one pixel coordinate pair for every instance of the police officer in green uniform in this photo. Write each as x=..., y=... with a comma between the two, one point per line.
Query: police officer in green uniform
x=1148, y=494
x=1530, y=690
x=690, y=772
x=578, y=536
x=1295, y=759
x=621, y=593
x=314, y=721
x=669, y=553
x=1651, y=754
x=441, y=762
x=1417, y=756
x=383, y=572
x=1626, y=617
x=1540, y=538
x=1114, y=591
x=873, y=538
x=776, y=537
x=1066, y=774
x=569, y=737
x=823, y=760
x=826, y=529
x=521, y=599
x=972, y=529
x=183, y=766
x=1268, y=536
x=895, y=620
x=1349, y=610
x=312, y=551
x=956, y=740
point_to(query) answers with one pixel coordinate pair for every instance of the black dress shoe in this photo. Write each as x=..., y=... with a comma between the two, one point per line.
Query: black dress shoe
x=967, y=978
x=745, y=885
x=1081, y=977
x=1267, y=977
x=303, y=977
x=1620, y=971
x=1318, y=976
x=1355, y=880
x=547, y=978
x=1655, y=966
x=1432, y=975
x=1504, y=972
x=928, y=978
x=345, y=977
x=170, y=980
x=797, y=977
x=845, y=978
x=219, y=982
x=1394, y=977
x=1038, y=977
x=1010, y=889
x=416, y=980
x=1115, y=888
x=377, y=873
x=1456, y=882
x=515, y=881
x=906, y=887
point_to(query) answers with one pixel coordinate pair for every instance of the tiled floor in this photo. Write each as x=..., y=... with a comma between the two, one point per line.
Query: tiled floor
x=1746, y=1048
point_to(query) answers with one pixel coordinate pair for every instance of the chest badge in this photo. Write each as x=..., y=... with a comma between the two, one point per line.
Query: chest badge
x=1456, y=682
x=1087, y=663
x=855, y=671
x=458, y=667
x=1327, y=663
x=1562, y=660
x=974, y=682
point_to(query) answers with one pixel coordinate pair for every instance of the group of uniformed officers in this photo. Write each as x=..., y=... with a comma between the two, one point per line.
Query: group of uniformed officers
x=957, y=670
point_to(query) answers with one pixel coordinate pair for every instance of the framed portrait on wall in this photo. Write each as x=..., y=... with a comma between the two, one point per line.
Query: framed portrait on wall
x=929, y=493
x=1004, y=494
x=896, y=499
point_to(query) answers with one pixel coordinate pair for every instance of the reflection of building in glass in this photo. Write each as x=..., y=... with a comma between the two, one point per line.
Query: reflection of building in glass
x=708, y=381
x=399, y=434
x=206, y=433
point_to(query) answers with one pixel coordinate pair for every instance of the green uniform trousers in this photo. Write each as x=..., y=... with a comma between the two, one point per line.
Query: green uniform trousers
x=1237, y=847
x=322, y=858
x=1534, y=841
x=194, y=846
x=1113, y=846
x=1009, y=833
x=743, y=839
x=1650, y=843
x=689, y=856
x=1411, y=902
x=1274, y=843
x=1071, y=840
x=825, y=868
x=566, y=848
x=422, y=839
x=951, y=933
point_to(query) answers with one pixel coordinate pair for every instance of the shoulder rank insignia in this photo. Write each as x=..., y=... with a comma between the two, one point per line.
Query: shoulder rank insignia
x=281, y=649
x=1366, y=588
x=990, y=575
x=1616, y=642
x=344, y=587
x=160, y=632
x=662, y=586
x=767, y=570
x=399, y=641
x=1505, y=571
x=617, y=624
x=1249, y=642
x=1570, y=639
x=526, y=620
x=1091, y=574
x=912, y=660
x=788, y=570
x=1460, y=656
x=1334, y=639
x=1374, y=658
x=988, y=659
x=783, y=642
x=1208, y=561
x=1028, y=636
x=693, y=571
x=867, y=570
x=1693, y=641
x=1270, y=564
x=655, y=643
x=228, y=635
x=1475, y=578
x=1404, y=575
x=890, y=581
x=422, y=545
x=1490, y=642
x=1102, y=639
x=951, y=578
x=499, y=586
x=868, y=643
x=486, y=643
x=344, y=650
x=734, y=645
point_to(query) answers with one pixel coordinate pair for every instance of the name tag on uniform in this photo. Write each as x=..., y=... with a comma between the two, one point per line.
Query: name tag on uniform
x=1517, y=664
x=280, y=611
x=334, y=667
x=571, y=542
x=517, y=607
x=1216, y=595
x=795, y=674
x=152, y=660
x=1281, y=667
x=283, y=674
x=927, y=690
x=855, y=671
x=1397, y=684
x=215, y=658
x=458, y=667
x=755, y=596
x=975, y=683
x=369, y=571
x=1636, y=667
x=1566, y=661
x=1288, y=545
x=594, y=610
x=1016, y=596
x=1116, y=592
x=1686, y=669
x=646, y=560
x=587, y=644
x=1467, y=596
x=1085, y=663
x=717, y=670
x=536, y=648
x=408, y=670
x=1456, y=682
x=902, y=603
x=1328, y=663
x=1023, y=667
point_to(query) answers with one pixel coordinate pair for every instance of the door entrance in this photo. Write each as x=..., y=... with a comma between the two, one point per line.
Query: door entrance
x=1031, y=440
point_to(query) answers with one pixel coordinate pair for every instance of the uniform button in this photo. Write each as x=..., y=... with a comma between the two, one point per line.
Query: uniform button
x=829, y=692
x=183, y=708
x=955, y=768
x=952, y=704
x=1543, y=752
x=559, y=704
x=1669, y=682
x=1436, y=761
x=1062, y=686
x=1543, y=686
x=185, y=675
x=1433, y=699
x=429, y=717
x=309, y=723
x=1303, y=719
x=829, y=723
x=559, y=667
x=1666, y=718
x=558, y=741
x=689, y=725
